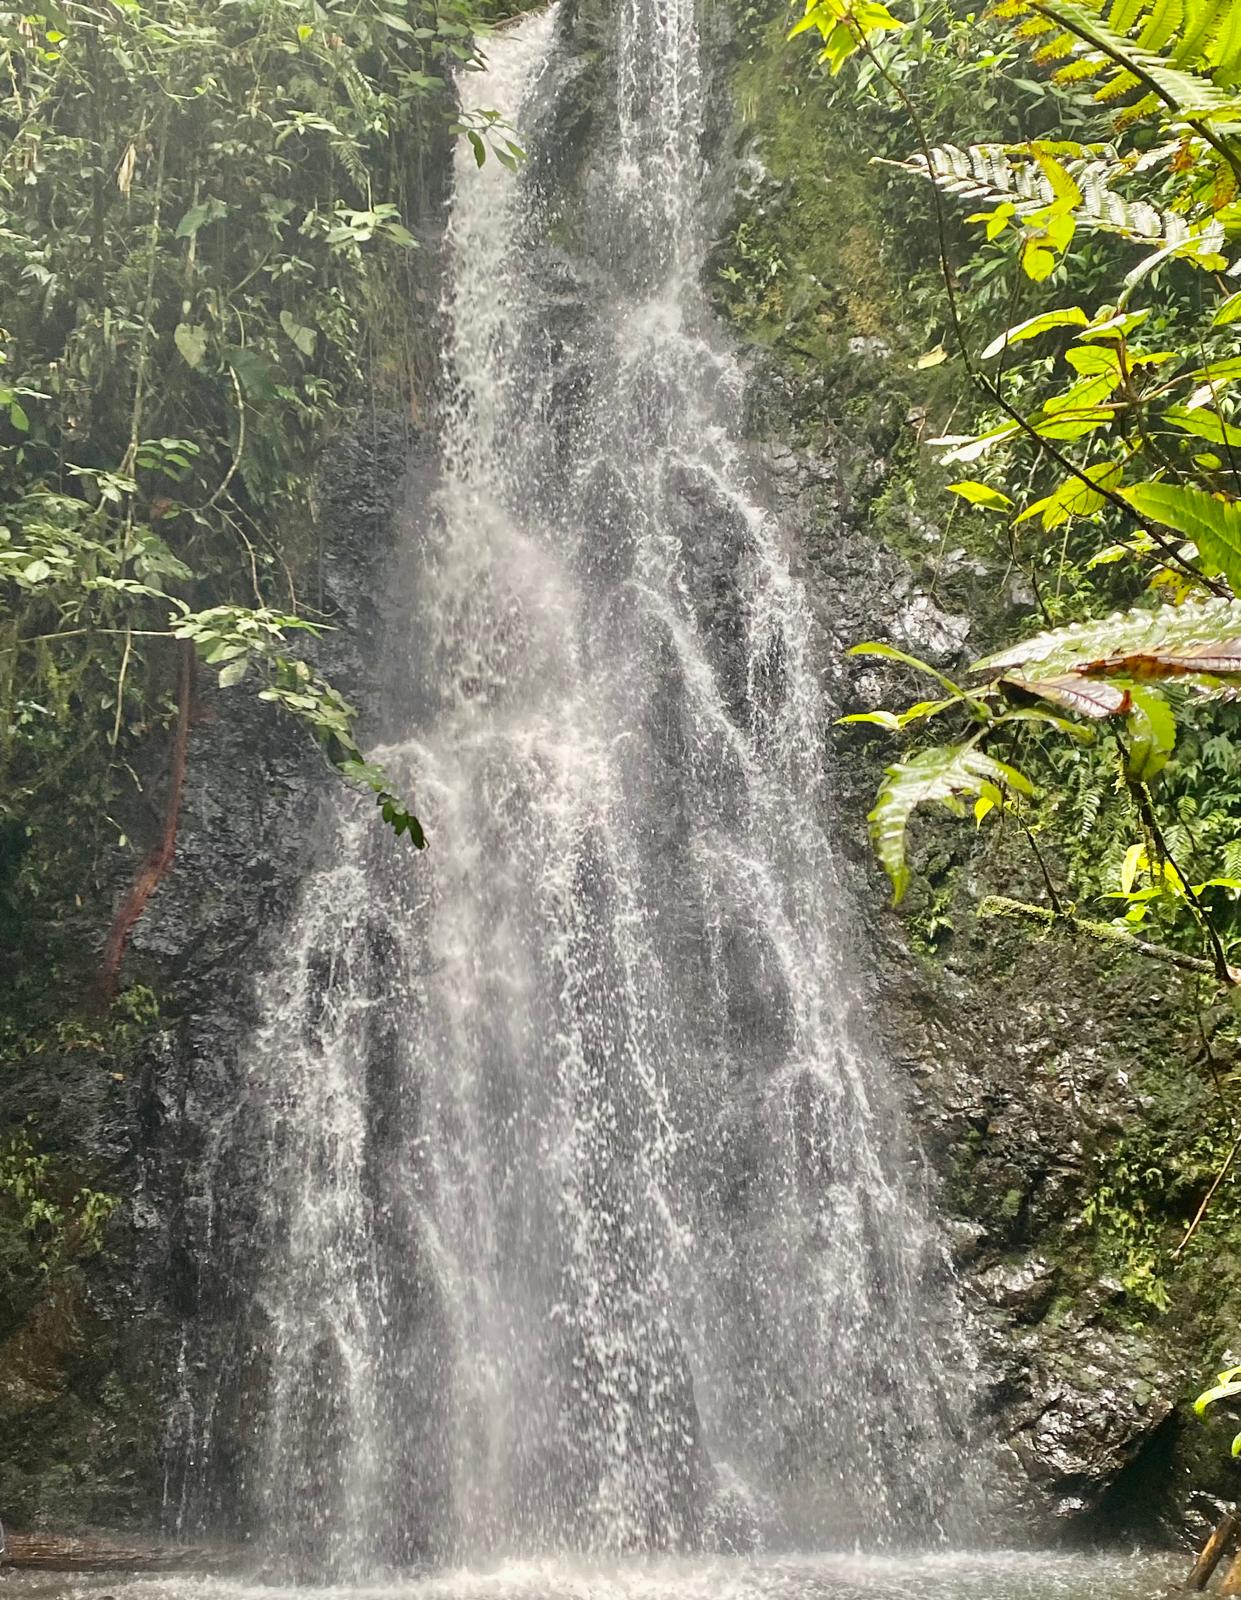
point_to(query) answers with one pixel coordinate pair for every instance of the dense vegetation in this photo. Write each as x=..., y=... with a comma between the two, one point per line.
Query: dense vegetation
x=1109, y=450
x=1078, y=166
x=209, y=261
x=205, y=241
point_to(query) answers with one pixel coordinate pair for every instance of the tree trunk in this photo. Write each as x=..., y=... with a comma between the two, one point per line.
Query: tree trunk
x=159, y=860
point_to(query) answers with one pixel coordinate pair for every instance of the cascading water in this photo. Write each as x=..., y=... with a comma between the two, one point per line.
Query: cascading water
x=591, y=1221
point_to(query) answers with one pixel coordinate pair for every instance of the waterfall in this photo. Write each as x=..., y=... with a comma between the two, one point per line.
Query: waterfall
x=591, y=1218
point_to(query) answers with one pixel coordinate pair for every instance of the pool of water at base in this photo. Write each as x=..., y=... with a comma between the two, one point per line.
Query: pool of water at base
x=939, y=1576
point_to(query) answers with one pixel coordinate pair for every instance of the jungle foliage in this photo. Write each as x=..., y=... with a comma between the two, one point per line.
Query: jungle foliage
x=205, y=218
x=1103, y=253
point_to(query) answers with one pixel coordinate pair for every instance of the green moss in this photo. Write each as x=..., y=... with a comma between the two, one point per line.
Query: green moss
x=1010, y=1206
x=805, y=265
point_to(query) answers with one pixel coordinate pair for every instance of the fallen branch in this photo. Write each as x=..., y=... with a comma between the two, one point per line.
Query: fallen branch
x=49, y=1552
x=1212, y=1552
x=997, y=905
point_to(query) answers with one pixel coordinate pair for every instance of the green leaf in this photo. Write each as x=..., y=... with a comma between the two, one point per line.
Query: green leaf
x=304, y=338
x=881, y=719
x=1073, y=498
x=1204, y=424
x=894, y=722
x=1213, y=524
x=980, y=494
x=940, y=776
x=253, y=369
x=191, y=340
x=891, y=653
x=932, y=358
x=1227, y=1386
x=235, y=671
x=1228, y=312
x=1152, y=735
x=1194, y=641
x=210, y=210
x=1070, y=317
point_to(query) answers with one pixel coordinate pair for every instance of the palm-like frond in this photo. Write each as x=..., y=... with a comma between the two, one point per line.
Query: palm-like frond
x=1183, y=55
x=994, y=173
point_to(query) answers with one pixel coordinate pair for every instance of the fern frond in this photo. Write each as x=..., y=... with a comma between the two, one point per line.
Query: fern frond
x=1080, y=70
x=1057, y=49
x=999, y=172
x=1121, y=83
x=1124, y=14
x=1187, y=52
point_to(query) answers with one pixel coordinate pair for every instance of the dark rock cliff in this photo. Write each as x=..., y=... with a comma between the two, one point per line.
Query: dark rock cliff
x=92, y=1379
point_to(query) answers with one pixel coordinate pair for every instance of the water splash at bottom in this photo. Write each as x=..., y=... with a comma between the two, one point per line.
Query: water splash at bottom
x=958, y=1575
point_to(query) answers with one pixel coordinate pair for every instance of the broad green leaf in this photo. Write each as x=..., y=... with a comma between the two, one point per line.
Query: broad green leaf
x=304, y=338
x=894, y=721
x=253, y=369
x=191, y=340
x=1227, y=1386
x=235, y=671
x=1213, y=524
x=1073, y=498
x=1135, y=860
x=941, y=776
x=968, y=447
x=1152, y=734
x=981, y=494
x=881, y=719
x=932, y=358
x=1196, y=641
x=1204, y=424
x=1038, y=258
x=891, y=653
x=209, y=210
x=1229, y=311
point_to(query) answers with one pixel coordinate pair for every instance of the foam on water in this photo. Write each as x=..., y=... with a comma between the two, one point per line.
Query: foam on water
x=959, y=1576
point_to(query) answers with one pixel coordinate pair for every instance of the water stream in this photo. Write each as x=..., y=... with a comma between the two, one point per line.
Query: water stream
x=592, y=1223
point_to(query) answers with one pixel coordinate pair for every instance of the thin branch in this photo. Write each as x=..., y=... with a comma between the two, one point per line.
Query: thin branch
x=996, y=905
x=237, y=453
x=120, y=686
x=144, y=343
x=985, y=384
x=1210, y=1195
x=1142, y=800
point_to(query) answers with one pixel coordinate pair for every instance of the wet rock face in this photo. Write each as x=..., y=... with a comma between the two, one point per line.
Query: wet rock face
x=1018, y=1056
x=90, y=1391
